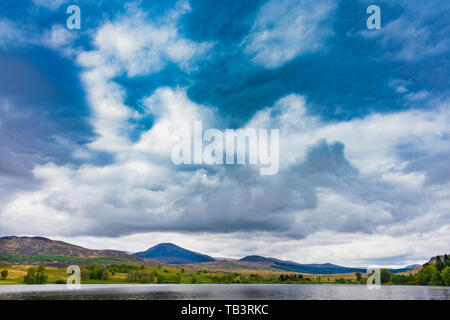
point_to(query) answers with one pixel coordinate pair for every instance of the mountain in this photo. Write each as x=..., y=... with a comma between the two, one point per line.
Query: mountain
x=326, y=268
x=228, y=265
x=173, y=254
x=42, y=250
x=257, y=259
x=413, y=266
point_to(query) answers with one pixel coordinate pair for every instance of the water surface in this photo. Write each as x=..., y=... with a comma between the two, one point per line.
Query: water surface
x=222, y=292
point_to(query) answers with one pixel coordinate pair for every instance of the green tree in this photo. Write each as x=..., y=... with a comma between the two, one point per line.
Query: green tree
x=428, y=274
x=84, y=274
x=160, y=279
x=358, y=276
x=385, y=276
x=4, y=274
x=439, y=264
x=105, y=274
x=133, y=276
x=35, y=276
x=399, y=279
x=445, y=275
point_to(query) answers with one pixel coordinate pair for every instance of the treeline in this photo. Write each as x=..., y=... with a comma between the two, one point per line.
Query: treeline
x=162, y=275
x=299, y=278
x=49, y=258
x=135, y=273
x=97, y=272
x=433, y=274
x=154, y=276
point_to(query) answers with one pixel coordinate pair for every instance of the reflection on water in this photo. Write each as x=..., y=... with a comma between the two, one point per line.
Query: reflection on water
x=222, y=292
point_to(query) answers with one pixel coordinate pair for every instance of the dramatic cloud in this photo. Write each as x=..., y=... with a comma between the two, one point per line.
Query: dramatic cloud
x=319, y=187
x=364, y=187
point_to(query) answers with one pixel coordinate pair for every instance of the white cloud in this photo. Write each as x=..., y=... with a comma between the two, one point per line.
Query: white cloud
x=288, y=28
x=142, y=47
x=174, y=113
x=137, y=47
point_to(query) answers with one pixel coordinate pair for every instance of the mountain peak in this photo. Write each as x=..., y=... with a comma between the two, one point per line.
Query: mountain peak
x=171, y=253
x=24, y=238
x=166, y=244
x=256, y=258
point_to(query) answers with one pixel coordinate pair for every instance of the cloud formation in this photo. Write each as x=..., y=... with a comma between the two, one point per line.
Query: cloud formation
x=344, y=177
x=347, y=186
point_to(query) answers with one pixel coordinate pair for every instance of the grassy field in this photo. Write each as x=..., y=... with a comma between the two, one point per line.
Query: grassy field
x=178, y=275
x=16, y=274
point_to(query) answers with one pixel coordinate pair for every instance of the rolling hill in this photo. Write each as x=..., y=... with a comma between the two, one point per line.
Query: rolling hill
x=173, y=254
x=36, y=250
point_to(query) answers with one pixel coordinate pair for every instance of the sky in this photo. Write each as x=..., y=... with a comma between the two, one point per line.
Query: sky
x=87, y=120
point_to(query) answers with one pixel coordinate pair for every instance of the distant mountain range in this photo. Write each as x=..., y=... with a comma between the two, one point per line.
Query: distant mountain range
x=324, y=268
x=21, y=250
x=173, y=254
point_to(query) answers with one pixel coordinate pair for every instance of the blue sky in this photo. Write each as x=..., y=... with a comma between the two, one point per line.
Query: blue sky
x=86, y=117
